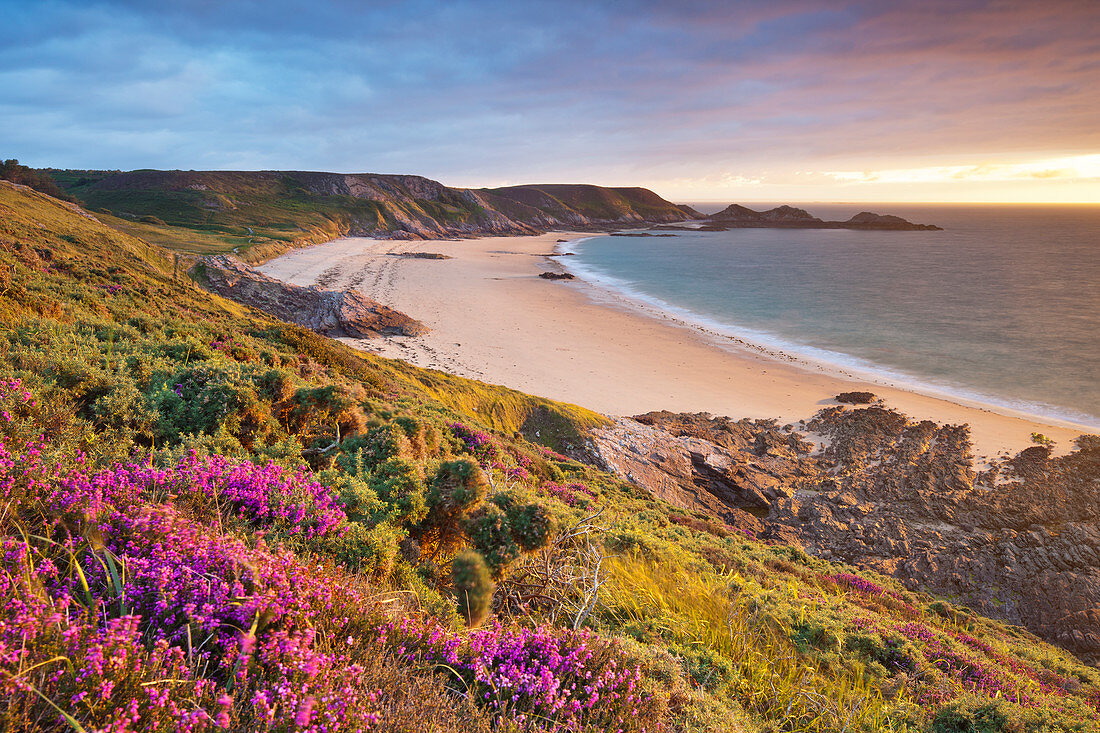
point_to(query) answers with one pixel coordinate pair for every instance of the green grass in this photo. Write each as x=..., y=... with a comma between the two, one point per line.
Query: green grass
x=254, y=214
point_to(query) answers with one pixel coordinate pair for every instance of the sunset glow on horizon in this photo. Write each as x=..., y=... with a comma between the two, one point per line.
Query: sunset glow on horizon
x=747, y=101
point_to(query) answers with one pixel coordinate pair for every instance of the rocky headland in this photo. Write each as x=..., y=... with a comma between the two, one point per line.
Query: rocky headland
x=316, y=206
x=329, y=312
x=1017, y=541
x=736, y=216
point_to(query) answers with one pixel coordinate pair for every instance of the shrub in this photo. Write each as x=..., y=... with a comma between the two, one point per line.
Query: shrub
x=370, y=550
x=458, y=487
x=490, y=533
x=505, y=527
x=472, y=586
x=327, y=413
x=380, y=444
x=424, y=438
x=400, y=484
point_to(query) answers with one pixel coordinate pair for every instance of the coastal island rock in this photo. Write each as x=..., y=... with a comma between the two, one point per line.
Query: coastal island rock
x=736, y=216
x=329, y=312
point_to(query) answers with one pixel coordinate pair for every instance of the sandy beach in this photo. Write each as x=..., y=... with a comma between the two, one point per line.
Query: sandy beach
x=494, y=319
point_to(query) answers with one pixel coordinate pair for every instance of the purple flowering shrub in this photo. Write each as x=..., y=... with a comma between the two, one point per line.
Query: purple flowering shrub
x=564, y=679
x=972, y=674
x=573, y=493
x=480, y=445
x=126, y=613
x=857, y=583
x=983, y=672
x=57, y=650
x=248, y=616
x=178, y=659
x=269, y=496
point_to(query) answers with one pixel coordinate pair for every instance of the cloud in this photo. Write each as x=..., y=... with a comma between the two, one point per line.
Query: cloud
x=1082, y=168
x=482, y=91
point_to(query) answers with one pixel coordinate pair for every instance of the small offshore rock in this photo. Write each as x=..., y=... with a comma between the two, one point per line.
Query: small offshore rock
x=855, y=398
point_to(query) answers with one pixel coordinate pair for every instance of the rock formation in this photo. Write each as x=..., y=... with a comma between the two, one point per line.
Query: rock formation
x=1020, y=541
x=328, y=312
x=736, y=216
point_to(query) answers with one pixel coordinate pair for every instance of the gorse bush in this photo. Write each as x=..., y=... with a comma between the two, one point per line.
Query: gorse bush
x=472, y=585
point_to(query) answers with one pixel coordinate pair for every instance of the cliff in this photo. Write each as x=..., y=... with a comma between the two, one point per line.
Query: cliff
x=1017, y=542
x=273, y=209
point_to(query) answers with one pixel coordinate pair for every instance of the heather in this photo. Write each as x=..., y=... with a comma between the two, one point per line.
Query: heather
x=215, y=521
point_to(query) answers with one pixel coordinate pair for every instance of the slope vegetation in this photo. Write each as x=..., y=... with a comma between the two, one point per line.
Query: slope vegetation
x=217, y=521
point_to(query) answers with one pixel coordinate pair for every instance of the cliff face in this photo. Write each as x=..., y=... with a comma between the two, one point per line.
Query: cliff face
x=275, y=203
x=1018, y=542
x=582, y=205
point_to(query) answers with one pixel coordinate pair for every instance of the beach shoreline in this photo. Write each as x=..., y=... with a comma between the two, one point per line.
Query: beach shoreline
x=494, y=319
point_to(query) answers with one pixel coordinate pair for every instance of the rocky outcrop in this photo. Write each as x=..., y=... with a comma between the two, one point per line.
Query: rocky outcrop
x=736, y=216
x=328, y=312
x=855, y=398
x=1019, y=541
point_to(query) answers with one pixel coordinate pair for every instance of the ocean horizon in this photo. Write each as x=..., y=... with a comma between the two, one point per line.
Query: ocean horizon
x=1002, y=307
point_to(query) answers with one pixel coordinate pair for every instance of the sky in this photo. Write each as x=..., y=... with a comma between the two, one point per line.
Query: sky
x=781, y=100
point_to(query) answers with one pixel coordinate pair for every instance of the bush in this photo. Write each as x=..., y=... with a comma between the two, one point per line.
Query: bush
x=424, y=439
x=504, y=528
x=459, y=486
x=472, y=586
x=491, y=534
x=380, y=444
x=11, y=170
x=368, y=550
x=400, y=484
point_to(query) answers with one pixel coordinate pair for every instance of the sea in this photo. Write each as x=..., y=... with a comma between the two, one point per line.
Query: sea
x=1001, y=307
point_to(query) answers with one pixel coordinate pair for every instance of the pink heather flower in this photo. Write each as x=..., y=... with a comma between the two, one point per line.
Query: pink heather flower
x=225, y=702
x=302, y=717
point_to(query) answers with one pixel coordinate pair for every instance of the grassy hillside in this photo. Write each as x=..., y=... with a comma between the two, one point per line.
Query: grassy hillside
x=215, y=521
x=594, y=202
x=249, y=213
x=258, y=214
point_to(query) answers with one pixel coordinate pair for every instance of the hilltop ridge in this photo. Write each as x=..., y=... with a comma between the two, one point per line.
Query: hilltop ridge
x=263, y=212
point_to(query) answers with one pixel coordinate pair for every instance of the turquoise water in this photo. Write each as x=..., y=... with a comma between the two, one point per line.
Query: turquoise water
x=1003, y=306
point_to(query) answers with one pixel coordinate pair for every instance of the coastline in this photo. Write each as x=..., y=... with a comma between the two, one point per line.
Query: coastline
x=494, y=319
x=739, y=338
